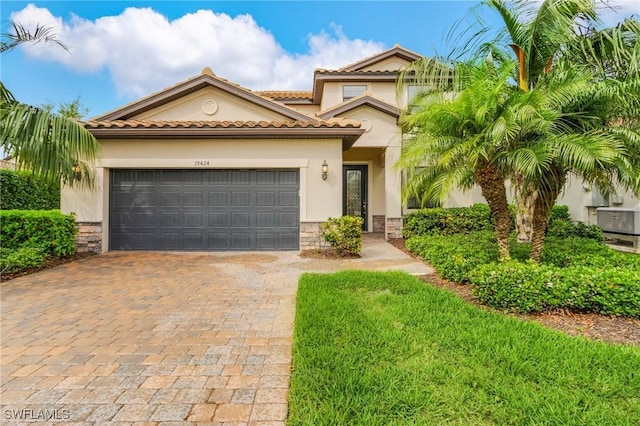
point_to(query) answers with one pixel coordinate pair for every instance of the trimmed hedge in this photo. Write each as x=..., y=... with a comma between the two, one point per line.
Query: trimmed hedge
x=26, y=191
x=527, y=287
x=576, y=273
x=454, y=256
x=448, y=221
x=48, y=230
x=463, y=220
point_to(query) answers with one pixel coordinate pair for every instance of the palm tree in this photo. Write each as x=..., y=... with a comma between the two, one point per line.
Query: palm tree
x=453, y=140
x=546, y=45
x=55, y=147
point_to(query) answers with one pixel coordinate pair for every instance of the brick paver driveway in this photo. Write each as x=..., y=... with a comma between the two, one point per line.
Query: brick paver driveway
x=150, y=337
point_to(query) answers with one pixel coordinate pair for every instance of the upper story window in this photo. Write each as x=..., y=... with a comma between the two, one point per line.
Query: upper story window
x=353, y=90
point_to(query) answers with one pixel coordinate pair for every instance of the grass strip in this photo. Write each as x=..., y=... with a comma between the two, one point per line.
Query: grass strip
x=386, y=349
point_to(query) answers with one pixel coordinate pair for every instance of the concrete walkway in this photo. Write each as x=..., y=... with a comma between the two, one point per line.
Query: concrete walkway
x=159, y=338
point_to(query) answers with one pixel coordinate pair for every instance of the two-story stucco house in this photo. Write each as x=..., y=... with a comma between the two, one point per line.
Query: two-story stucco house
x=209, y=165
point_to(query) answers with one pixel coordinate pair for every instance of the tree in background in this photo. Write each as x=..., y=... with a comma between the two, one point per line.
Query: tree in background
x=583, y=114
x=56, y=147
x=74, y=109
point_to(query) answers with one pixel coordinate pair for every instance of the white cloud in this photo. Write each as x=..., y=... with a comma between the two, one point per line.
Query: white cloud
x=144, y=51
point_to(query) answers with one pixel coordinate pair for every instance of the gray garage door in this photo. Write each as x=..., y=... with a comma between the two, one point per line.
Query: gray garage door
x=204, y=210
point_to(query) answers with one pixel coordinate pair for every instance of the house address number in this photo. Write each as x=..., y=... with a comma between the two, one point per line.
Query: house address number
x=201, y=163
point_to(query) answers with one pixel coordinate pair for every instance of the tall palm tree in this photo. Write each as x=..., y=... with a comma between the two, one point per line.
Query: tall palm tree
x=545, y=40
x=55, y=147
x=453, y=140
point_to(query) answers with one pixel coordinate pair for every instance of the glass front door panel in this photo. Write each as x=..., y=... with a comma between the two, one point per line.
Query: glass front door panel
x=354, y=193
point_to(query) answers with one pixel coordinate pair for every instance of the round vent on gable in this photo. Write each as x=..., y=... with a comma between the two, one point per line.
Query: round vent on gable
x=365, y=124
x=209, y=107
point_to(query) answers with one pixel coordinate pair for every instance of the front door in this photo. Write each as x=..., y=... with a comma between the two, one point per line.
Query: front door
x=354, y=181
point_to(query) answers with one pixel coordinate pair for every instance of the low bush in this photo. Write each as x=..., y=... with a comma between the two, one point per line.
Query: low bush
x=21, y=259
x=567, y=228
x=576, y=273
x=344, y=234
x=448, y=221
x=454, y=256
x=26, y=191
x=47, y=230
x=527, y=287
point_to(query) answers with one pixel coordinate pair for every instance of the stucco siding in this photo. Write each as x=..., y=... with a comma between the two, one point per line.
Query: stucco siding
x=383, y=128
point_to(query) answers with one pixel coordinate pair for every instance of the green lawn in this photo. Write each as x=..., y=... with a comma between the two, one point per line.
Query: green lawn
x=385, y=348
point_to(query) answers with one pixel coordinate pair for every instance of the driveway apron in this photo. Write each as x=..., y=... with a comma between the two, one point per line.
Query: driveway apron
x=150, y=337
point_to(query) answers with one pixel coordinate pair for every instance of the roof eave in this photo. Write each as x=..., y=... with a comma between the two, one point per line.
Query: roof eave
x=348, y=135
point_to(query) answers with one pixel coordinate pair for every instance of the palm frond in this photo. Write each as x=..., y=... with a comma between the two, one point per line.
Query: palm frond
x=21, y=34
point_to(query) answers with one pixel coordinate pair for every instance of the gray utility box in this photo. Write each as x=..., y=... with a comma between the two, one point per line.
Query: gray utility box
x=620, y=223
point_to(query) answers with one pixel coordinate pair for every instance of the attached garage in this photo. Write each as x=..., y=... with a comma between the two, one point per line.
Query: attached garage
x=233, y=209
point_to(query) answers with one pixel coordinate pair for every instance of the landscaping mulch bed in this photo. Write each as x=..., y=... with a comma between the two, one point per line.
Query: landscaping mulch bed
x=50, y=263
x=325, y=254
x=605, y=328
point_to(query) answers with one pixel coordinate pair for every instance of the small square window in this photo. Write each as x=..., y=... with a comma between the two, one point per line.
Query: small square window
x=351, y=91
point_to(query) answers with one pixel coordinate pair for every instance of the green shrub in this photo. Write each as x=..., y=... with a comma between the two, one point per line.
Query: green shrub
x=512, y=286
x=454, y=256
x=526, y=287
x=448, y=221
x=21, y=259
x=47, y=230
x=344, y=234
x=25, y=191
x=559, y=212
x=566, y=229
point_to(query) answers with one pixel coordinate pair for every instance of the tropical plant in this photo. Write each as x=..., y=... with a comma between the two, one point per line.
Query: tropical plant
x=55, y=147
x=576, y=119
x=453, y=140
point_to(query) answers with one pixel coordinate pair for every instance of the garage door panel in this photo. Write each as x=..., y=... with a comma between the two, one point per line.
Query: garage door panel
x=288, y=199
x=288, y=177
x=266, y=241
x=288, y=220
x=240, y=220
x=266, y=177
x=193, y=199
x=288, y=241
x=240, y=199
x=204, y=210
x=240, y=177
x=218, y=199
x=266, y=220
x=240, y=241
x=265, y=199
x=218, y=241
x=218, y=220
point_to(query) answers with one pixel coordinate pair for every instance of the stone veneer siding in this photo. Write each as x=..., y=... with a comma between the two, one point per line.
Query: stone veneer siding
x=394, y=227
x=311, y=236
x=378, y=223
x=89, y=237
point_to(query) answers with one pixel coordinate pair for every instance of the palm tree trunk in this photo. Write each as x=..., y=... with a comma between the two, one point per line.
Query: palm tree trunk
x=491, y=182
x=547, y=196
x=524, y=197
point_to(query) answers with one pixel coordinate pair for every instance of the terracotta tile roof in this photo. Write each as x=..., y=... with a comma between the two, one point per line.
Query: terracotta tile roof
x=357, y=72
x=285, y=94
x=138, y=124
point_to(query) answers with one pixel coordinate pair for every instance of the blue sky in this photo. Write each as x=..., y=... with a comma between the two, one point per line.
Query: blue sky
x=122, y=50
